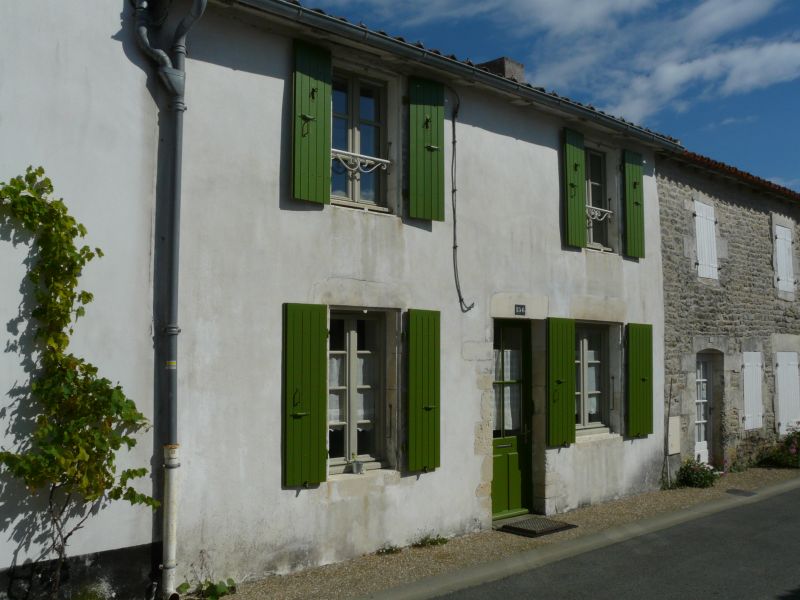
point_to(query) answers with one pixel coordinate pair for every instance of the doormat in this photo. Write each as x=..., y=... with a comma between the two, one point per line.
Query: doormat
x=536, y=525
x=738, y=492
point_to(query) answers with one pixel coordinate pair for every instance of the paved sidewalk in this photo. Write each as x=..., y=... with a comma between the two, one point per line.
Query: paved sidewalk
x=480, y=557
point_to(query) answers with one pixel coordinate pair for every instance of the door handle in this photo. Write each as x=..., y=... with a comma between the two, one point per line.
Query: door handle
x=504, y=445
x=297, y=415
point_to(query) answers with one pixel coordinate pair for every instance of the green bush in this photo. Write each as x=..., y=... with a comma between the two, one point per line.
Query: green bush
x=785, y=454
x=694, y=473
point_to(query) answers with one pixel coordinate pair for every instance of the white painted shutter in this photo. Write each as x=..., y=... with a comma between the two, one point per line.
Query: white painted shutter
x=706, y=240
x=784, y=272
x=753, y=406
x=787, y=375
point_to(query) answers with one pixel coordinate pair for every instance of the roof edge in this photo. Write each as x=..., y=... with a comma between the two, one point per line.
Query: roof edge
x=315, y=18
x=715, y=166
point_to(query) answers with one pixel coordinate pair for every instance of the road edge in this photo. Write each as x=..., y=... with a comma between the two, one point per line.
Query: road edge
x=446, y=583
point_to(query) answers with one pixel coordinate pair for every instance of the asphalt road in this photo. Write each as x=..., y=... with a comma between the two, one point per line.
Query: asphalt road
x=749, y=552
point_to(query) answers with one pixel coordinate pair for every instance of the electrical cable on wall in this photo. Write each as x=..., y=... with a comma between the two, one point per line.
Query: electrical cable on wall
x=453, y=197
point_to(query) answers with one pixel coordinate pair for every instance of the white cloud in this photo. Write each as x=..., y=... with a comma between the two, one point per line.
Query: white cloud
x=729, y=121
x=523, y=15
x=634, y=58
x=735, y=70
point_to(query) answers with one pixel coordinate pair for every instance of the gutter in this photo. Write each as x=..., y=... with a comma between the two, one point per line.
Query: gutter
x=172, y=74
x=359, y=33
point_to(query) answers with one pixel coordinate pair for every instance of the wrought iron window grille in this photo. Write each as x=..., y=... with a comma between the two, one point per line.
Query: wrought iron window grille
x=359, y=163
x=597, y=214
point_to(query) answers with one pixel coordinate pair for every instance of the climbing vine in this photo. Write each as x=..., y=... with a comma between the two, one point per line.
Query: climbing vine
x=81, y=419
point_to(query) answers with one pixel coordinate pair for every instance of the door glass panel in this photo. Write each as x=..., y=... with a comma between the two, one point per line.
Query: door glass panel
x=497, y=411
x=512, y=354
x=511, y=409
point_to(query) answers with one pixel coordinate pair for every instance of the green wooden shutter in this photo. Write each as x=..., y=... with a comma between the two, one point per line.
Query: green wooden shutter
x=311, y=152
x=305, y=336
x=426, y=149
x=640, y=380
x=634, y=205
x=574, y=189
x=423, y=390
x=560, y=382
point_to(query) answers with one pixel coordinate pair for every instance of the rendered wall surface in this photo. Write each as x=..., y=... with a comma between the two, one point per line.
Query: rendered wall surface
x=740, y=312
x=75, y=100
x=248, y=248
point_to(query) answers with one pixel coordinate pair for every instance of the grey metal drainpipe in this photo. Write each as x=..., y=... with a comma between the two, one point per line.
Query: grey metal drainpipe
x=172, y=74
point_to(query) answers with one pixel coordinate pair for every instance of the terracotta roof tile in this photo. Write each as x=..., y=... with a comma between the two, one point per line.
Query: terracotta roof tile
x=743, y=176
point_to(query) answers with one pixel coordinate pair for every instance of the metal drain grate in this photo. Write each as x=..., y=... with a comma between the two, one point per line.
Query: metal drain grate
x=536, y=525
x=738, y=492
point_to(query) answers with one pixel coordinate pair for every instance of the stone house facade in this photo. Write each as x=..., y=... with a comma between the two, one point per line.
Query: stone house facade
x=732, y=316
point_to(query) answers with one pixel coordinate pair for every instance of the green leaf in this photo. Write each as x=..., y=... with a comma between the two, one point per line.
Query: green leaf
x=183, y=588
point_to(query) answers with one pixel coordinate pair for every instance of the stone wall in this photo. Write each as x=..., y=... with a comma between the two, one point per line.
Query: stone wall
x=741, y=311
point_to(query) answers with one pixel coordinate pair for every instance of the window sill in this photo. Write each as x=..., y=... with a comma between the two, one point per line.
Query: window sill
x=371, y=473
x=599, y=248
x=340, y=468
x=373, y=208
x=594, y=434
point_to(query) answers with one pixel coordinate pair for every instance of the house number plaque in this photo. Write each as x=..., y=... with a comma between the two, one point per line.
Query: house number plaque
x=519, y=310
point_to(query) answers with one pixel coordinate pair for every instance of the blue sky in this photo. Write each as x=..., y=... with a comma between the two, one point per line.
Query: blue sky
x=723, y=76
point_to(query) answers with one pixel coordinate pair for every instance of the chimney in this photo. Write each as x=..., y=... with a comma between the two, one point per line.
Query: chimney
x=505, y=67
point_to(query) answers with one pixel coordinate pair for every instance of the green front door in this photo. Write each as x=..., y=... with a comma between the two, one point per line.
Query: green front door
x=511, y=414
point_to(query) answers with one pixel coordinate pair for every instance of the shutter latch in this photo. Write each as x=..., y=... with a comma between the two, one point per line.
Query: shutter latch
x=431, y=147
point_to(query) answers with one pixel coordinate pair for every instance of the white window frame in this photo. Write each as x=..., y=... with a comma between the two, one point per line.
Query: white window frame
x=388, y=198
x=706, y=240
x=582, y=331
x=752, y=378
x=348, y=423
x=606, y=215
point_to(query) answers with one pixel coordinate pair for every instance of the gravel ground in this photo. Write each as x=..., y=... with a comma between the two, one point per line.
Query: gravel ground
x=371, y=573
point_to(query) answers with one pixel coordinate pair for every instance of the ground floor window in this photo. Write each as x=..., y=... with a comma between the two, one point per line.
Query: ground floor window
x=591, y=365
x=355, y=387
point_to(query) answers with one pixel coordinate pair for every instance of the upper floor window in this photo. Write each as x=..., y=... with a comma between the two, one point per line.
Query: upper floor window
x=598, y=209
x=604, y=207
x=358, y=162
